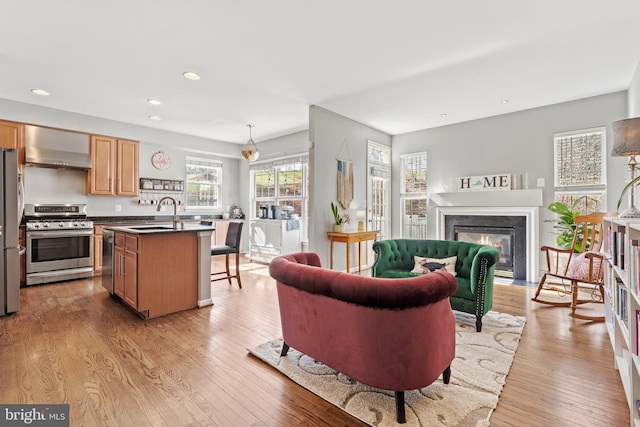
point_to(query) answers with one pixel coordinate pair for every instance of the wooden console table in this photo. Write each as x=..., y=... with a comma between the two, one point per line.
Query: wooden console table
x=348, y=238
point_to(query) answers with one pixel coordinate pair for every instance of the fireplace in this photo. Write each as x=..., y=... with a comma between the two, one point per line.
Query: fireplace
x=508, y=234
x=522, y=204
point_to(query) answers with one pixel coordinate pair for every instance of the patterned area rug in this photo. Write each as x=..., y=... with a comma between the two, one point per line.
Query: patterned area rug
x=478, y=374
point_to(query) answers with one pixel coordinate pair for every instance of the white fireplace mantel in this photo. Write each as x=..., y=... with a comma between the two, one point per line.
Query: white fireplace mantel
x=496, y=203
x=531, y=197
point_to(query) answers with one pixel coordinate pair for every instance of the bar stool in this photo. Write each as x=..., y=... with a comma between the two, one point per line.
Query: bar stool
x=231, y=246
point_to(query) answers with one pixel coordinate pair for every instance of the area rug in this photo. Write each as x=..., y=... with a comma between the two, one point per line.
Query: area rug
x=478, y=374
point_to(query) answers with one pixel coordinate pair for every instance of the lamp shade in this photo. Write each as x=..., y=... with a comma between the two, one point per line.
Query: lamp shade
x=626, y=137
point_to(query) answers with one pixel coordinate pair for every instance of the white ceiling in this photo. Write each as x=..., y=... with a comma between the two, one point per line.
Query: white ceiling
x=396, y=66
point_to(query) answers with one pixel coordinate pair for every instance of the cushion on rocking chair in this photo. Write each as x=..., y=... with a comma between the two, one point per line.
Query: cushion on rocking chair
x=579, y=268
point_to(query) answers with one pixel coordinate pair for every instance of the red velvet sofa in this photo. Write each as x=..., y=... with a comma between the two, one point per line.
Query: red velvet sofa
x=393, y=334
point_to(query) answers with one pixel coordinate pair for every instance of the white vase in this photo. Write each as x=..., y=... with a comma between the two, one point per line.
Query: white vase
x=338, y=228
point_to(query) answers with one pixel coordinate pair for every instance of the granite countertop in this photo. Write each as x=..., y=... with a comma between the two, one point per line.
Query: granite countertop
x=102, y=220
x=160, y=228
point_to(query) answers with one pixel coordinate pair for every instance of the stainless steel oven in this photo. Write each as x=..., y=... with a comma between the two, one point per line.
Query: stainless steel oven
x=59, y=241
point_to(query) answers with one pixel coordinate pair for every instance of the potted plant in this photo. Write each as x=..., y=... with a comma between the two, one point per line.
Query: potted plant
x=565, y=223
x=340, y=220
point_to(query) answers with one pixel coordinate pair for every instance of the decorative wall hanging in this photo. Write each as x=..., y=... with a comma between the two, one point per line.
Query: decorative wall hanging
x=345, y=183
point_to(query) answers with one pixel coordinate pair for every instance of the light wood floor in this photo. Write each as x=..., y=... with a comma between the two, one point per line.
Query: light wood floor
x=73, y=343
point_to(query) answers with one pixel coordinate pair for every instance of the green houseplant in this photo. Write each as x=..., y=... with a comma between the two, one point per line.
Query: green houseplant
x=565, y=223
x=339, y=220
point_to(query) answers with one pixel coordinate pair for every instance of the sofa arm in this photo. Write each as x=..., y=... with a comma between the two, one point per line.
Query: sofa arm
x=387, y=254
x=482, y=268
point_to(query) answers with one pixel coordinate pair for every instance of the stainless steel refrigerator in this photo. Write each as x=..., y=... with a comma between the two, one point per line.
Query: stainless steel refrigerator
x=9, y=222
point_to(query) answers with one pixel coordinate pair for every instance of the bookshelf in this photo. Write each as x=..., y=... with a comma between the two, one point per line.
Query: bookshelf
x=622, y=303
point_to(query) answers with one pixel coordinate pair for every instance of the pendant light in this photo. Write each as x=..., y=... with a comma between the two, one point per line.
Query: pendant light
x=250, y=149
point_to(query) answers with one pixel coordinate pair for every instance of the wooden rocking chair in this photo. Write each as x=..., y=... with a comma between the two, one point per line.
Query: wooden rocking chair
x=584, y=268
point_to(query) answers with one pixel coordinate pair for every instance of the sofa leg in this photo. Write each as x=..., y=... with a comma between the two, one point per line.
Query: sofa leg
x=400, y=416
x=446, y=375
x=285, y=349
x=479, y=323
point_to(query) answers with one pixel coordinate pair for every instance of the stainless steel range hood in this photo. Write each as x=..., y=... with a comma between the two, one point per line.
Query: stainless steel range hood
x=52, y=148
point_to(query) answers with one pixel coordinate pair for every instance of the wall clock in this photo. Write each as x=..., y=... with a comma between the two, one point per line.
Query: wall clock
x=161, y=160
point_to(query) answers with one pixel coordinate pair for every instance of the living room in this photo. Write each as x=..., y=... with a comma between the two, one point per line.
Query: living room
x=193, y=368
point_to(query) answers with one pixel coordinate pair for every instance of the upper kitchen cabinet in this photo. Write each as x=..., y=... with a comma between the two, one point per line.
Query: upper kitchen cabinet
x=12, y=136
x=115, y=167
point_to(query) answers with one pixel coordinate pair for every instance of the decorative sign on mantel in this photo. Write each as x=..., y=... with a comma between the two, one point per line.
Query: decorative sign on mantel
x=485, y=183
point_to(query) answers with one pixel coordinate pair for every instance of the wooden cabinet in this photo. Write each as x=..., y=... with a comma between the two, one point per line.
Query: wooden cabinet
x=115, y=167
x=97, y=250
x=12, y=136
x=157, y=273
x=127, y=167
x=125, y=276
x=131, y=272
x=622, y=303
x=118, y=270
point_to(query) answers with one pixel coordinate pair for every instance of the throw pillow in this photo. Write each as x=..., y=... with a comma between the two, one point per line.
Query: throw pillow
x=579, y=268
x=427, y=265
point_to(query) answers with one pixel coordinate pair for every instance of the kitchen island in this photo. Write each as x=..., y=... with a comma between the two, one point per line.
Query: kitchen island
x=159, y=269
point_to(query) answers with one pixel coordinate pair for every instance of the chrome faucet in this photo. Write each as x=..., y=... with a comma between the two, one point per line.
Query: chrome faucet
x=176, y=219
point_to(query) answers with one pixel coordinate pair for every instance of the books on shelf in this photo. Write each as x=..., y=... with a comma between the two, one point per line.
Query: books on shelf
x=620, y=301
x=613, y=245
x=620, y=240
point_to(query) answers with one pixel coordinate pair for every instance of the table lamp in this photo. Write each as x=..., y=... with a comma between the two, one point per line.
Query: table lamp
x=626, y=142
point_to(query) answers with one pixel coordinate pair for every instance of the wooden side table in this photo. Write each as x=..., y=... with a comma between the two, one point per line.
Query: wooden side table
x=348, y=238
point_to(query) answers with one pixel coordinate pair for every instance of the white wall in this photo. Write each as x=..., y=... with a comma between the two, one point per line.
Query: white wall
x=634, y=94
x=333, y=136
x=511, y=143
x=57, y=186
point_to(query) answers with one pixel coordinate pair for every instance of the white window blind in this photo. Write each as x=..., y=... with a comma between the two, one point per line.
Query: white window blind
x=580, y=168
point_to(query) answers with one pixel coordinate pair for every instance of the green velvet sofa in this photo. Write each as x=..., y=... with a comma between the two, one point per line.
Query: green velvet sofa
x=474, y=268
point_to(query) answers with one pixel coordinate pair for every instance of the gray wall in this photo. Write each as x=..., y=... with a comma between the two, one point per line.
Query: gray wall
x=333, y=136
x=511, y=143
x=57, y=186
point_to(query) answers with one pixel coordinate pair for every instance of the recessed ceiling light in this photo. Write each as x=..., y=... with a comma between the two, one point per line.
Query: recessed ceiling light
x=191, y=75
x=443, y=115
x=154, y=101
x=505, y=101
x=155, y=118
x=40, y=92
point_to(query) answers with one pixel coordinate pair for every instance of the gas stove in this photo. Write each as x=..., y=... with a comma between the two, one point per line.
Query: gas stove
x=59, y=243
x=56, y=217
x=55, y=224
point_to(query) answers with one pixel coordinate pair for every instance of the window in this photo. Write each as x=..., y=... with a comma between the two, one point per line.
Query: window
x=378, y=194
x=282, y=182
x=580, y=168
x=203, y=184
x=413, y=195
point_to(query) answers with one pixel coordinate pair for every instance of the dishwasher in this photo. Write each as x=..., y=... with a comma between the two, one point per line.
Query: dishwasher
x=108, y=242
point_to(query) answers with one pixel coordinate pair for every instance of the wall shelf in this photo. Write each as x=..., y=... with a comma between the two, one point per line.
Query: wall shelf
x=152, y=184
